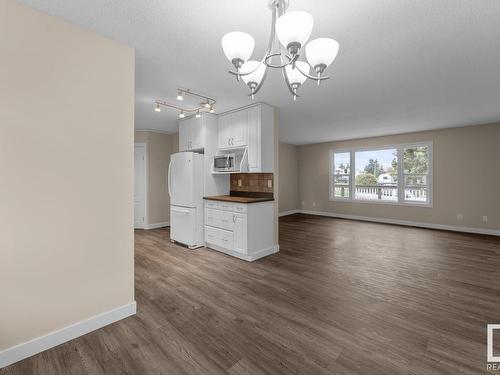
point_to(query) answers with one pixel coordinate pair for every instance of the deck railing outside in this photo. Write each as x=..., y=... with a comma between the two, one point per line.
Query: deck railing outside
x=382, y=193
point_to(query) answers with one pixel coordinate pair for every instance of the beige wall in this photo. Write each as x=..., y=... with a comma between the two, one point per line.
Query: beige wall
x=159, y=148
x=289, y=178
x=66, y=164
x=466, y=178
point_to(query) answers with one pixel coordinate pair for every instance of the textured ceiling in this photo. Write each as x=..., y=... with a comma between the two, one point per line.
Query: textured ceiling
x=403, y=65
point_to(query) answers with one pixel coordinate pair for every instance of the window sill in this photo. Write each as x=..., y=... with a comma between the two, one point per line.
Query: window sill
x=406, y=204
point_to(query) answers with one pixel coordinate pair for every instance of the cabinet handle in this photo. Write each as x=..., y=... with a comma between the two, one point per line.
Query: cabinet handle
x=234, y=218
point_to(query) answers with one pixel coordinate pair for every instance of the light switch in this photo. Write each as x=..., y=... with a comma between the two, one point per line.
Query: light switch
x=269, y=183
x=239, y=182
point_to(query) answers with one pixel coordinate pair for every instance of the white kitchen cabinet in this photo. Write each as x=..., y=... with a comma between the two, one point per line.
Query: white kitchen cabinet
x=242, y=230
x=251, y=127
x=191, y=134
x=240, y=233
x=233, y=130
x=261, y=144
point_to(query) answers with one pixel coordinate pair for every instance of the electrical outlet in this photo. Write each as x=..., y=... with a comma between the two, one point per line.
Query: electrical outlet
x=460, y=216
x=269, y=183
x=314, y=204
x=239, y=182
x=303, y=204
x=485, y=219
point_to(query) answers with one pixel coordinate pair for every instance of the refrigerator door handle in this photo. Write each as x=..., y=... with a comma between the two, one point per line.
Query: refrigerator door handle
x=169, y=177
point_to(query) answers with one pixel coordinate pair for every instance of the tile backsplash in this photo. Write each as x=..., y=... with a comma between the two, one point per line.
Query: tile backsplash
x=252, y=182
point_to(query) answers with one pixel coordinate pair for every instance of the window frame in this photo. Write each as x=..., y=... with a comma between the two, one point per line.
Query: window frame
x=401, y=183
x=332, y=175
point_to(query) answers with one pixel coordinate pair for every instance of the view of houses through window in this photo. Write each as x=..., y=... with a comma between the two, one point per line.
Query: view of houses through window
x=399, y=174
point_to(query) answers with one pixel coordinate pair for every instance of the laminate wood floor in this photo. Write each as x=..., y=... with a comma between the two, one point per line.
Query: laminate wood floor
x=341, y=297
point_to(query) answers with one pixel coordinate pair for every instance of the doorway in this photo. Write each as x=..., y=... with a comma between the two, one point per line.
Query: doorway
x=140, y=185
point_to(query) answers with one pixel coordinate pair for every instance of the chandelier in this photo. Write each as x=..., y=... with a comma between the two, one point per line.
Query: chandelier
x=292, y=30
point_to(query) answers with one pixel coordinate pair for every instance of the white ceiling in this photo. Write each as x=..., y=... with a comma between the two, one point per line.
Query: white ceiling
x=403, y=65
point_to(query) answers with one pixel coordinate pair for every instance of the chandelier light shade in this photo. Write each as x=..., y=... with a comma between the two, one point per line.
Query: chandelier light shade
x=321, y=51
x=255, y=70
x=292, y=30
x=238, y=46
x=295, y=77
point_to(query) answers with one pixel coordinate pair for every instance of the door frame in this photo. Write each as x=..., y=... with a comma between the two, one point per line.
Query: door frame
x=146, y=184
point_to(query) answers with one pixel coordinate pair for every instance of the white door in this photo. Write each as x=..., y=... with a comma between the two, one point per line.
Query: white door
x=239, y=128
x=254, y=137
x=184, y=135
x=181, y=180
x=196, y=127
x=224, y=122
x=240, y=233
x=183, y=225
x=139, y=185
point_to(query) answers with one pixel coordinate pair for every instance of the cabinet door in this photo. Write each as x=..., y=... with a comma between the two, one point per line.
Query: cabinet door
x=240, y=233
x=224, y=136
x=184, y=130
x=239, y=128
x=254, y=143
x=196, y=132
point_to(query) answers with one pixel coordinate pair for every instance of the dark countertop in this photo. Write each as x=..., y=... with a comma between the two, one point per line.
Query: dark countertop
x=239, y=199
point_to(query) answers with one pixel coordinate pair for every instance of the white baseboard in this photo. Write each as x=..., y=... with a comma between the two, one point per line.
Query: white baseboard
x=286, y=213
x=39, y=344
x=264, y=253
x=454, y=228
x=249, y=258
x=157, y=225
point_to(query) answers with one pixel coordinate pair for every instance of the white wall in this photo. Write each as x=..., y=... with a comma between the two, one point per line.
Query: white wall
x=289, y=178
x=66, y=167
x=466, y=178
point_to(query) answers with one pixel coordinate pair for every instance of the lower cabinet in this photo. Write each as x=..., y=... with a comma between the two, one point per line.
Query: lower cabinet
x=245, y=231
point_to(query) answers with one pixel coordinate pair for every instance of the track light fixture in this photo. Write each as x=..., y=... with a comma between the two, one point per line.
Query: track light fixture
x=207, y=104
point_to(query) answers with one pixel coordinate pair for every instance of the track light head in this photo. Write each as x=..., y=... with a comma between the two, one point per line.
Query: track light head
x=198, y=114
x=157, y=109
x=182, y=115
x=179, y=95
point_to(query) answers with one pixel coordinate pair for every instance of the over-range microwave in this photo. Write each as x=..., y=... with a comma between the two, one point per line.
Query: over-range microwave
x=227, y=162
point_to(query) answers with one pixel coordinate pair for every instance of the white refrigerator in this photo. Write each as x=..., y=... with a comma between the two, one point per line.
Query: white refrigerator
x=185, y=187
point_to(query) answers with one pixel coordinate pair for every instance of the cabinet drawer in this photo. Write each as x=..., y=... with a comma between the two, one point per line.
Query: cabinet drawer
x=227, y=206
x=212, y=204
x=219, y=237
x=219, y=219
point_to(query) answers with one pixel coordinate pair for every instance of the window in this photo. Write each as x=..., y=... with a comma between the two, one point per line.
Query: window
x=341, y=175
x=399, y=174
x=376, y=175
x=416, y=174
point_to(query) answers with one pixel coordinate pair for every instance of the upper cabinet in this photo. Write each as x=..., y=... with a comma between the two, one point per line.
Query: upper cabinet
x=251, y=127
x=191, y=134
x=233, y=131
